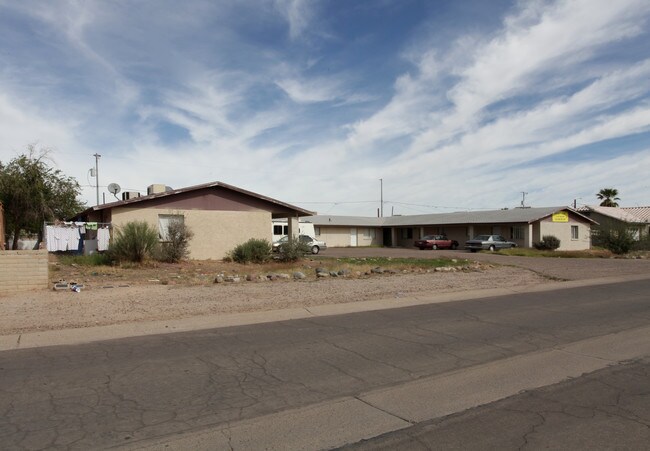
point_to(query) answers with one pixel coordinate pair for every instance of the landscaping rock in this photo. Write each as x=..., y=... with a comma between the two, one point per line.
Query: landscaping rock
x=299, y=275
x=377, y=270
x=219, y=279
x=284, y=276
x=334, y=274
x=232, y=279
x=344, y=272
x=322, y=274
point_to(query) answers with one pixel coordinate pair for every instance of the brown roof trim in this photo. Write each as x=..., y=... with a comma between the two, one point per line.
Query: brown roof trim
x=120, y=203
x=577, y=213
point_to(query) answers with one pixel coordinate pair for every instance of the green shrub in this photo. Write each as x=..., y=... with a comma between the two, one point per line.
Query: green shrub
x=643, y=244
x=614, y=236
x=293, y=250
x=134, y=242
x=548, y=243
x=176, y=248
x=252, y=251
x=95, y=259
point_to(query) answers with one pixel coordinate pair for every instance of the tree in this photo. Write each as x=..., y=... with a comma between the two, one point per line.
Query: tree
x=33, y=193
x=608, y=197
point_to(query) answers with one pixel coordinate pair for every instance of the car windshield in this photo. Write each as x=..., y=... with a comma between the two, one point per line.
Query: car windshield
x=428, y=237
x=483, y=237
x=284, y=239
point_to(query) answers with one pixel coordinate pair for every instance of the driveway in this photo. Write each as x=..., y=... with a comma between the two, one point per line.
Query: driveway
x=560, y=268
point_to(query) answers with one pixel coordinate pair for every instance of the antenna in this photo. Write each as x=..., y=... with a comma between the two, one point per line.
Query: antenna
x=523, y=199
x=114, y=188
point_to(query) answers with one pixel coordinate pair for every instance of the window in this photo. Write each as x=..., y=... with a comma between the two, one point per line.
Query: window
x=277, y=230
x=317, y=231
x=574, y=232
x=407, y=234
x=369, y=233
x=516, y=233
x=163, y=224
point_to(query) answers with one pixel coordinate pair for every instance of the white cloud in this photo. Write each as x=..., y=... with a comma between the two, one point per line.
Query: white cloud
x=310, y=91
x=298, y=14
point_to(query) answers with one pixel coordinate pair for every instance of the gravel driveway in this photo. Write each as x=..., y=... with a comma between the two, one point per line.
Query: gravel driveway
x=560, y=268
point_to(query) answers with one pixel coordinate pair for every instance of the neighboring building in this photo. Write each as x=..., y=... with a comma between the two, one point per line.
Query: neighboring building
x=220, y=215
x=636, y=219
x=524, y=226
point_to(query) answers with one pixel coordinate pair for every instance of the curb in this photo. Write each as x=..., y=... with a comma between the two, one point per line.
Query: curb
x=63, y=337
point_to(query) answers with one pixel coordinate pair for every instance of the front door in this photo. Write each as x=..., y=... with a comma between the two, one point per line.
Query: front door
x=353, y=237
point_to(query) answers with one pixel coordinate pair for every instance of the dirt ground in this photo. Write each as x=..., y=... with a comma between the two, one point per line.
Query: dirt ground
x=163, y=292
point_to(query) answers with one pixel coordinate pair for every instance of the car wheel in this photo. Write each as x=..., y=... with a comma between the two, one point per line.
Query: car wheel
x=434, y=247
x=492, y=248
x=315, y=249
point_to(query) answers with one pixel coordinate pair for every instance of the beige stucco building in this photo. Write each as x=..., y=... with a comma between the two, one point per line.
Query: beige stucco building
x=221, y=216
x=524, y=226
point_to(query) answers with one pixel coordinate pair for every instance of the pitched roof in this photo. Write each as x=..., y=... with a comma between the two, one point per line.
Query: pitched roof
x=136, y=200
x=643, y=213
x=628, y=214
x=515, y=215
x=356, y=221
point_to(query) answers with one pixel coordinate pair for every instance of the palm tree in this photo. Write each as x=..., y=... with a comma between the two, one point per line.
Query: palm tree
x=608, y=197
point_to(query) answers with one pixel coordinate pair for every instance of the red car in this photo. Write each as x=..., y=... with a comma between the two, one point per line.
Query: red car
x=436, y=242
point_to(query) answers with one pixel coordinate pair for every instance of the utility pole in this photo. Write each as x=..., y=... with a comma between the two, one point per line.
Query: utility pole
x=97, y=156
x=381, y=194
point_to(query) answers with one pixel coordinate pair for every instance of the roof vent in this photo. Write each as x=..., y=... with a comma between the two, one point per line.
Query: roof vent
x=156, y=188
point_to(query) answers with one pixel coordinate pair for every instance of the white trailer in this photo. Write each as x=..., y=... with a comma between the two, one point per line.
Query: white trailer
x=280, y=228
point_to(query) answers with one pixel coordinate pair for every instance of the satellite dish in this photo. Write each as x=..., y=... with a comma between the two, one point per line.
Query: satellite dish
x=114, y=188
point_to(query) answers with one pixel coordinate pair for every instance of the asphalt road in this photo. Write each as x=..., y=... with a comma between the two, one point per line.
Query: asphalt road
x=112, y=393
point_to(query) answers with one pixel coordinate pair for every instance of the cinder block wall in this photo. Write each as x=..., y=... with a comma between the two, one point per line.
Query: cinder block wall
x=23, y=270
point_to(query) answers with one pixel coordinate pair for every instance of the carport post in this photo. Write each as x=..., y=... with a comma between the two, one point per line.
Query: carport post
x=294, y=227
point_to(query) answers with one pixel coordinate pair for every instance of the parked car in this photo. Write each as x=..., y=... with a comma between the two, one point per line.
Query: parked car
x=436, y=242
x=489, y=242
x=314, y=245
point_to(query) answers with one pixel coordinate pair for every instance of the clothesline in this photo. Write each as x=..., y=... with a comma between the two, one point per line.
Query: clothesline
x=70, y=236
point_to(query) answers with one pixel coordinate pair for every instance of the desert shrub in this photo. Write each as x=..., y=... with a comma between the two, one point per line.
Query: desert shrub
x=134, y=242
x=252, y=251
x=292, y=250
x=548, y=243
x=643, y=244
x=176, y=248
x=613, y=236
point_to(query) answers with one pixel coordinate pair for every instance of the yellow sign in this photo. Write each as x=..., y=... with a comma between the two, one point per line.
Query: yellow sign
x=561, y=216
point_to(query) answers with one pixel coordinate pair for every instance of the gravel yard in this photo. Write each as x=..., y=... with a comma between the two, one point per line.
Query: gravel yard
x=47, y=310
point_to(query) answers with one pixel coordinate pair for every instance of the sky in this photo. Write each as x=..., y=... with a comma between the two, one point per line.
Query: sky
x=439, y=106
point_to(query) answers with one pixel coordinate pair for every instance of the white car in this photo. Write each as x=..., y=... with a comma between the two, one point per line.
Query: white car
x=489, y=242
x=314, y=245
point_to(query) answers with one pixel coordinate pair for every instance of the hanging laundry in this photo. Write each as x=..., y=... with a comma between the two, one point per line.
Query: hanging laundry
x=103, y=238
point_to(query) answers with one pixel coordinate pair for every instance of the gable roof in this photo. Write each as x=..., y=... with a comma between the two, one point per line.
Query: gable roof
x=137, y=200
x=643, y=213
x=628, y=214
x=515, y=215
